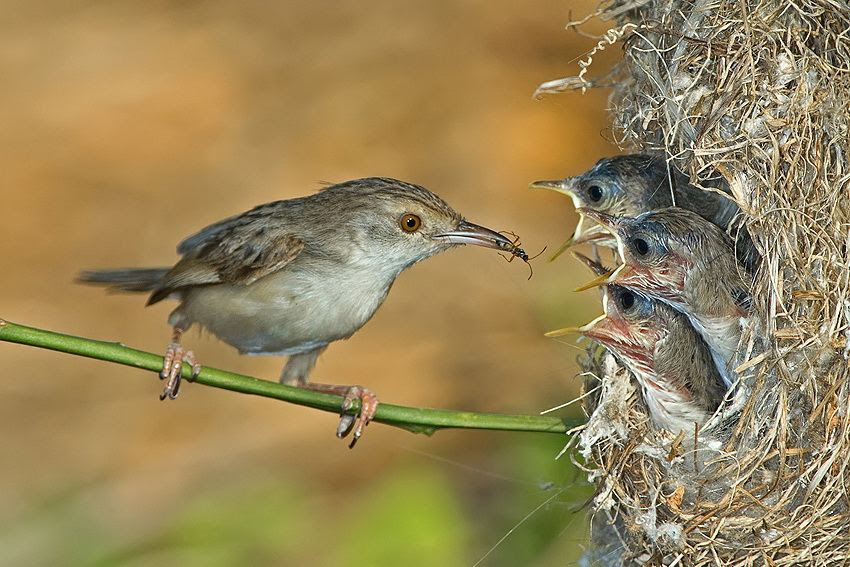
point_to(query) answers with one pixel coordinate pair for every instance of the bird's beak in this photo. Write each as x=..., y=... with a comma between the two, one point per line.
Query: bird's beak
x=564, y=186
x=658, y=283
x=618, y=336
x=596, y=267
x=604, y=329
x=571, y=241
x=469, y=233
x=626, y=275
x=610, y=222
x=639, y=278
x=614, y=334
x=562, y=332
x=595, y=234
x=603, y=278
x=599, y=235
x=602, y=234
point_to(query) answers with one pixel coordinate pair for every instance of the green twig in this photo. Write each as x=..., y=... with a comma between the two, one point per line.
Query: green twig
x=419, y=420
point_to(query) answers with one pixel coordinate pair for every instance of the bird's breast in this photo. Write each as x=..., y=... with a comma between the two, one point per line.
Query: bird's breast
x=671, y=406
x=289, y=311
x=722, y=335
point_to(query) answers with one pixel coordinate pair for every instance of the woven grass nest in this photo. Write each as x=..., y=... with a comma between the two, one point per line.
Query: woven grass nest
x=759, y=93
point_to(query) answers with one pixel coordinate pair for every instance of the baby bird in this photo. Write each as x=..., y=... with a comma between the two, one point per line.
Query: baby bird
x=678, y=257
x=631, y=184
x=290, y=277
x=680, y=383
x=684, y=386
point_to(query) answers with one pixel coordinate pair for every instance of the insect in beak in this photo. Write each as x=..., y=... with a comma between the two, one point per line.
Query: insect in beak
x=512, y=248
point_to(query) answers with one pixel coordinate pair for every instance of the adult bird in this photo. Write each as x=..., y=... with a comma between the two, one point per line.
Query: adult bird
x=678, y=257
x=632, y=184
x=290, y=277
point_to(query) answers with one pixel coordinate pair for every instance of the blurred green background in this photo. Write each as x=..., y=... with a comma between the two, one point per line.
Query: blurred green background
x=127, y=126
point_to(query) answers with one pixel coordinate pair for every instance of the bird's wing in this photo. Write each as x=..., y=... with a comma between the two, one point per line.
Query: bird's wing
x=208, y=233
x=239, y=252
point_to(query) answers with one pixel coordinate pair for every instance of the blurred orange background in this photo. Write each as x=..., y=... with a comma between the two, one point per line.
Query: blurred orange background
x=127, y=126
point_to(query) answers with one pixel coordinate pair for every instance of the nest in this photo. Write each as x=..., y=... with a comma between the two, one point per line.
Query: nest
x=758, y=93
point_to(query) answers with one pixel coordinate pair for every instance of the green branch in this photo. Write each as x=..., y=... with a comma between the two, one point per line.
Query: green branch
x=418, y=420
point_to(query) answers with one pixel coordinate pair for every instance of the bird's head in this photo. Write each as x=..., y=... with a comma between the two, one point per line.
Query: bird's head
x=620, y=186
x=631, y=328
x=398, y=224
x=662, y=250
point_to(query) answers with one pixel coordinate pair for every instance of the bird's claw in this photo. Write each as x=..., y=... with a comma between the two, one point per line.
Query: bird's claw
x=355, y=424
x=346, y=424
x=172, y=368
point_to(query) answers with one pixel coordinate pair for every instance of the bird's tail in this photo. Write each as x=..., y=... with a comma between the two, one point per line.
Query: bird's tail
x=125, y=279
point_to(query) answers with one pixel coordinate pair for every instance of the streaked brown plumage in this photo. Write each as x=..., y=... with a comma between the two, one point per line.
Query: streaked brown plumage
x=292, y=276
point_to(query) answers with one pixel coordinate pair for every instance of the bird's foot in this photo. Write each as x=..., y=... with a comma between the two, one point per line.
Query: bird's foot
x=352, y=424
x=368, y=408
x=172, y=366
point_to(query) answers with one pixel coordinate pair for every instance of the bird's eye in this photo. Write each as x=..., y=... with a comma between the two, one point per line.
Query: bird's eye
x=410, y=222
x=594, y=193
x=627, y=300
x=641, y=246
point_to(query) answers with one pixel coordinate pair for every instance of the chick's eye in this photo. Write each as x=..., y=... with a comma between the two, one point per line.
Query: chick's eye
x=594, y=193
x=627, y=300
x=641, y=246
x=410, y=222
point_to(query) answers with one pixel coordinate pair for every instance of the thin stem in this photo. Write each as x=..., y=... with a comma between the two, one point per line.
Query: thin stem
x=418, y=420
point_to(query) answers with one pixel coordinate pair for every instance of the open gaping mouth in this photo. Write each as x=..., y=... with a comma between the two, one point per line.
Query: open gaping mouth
x=619, y=337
